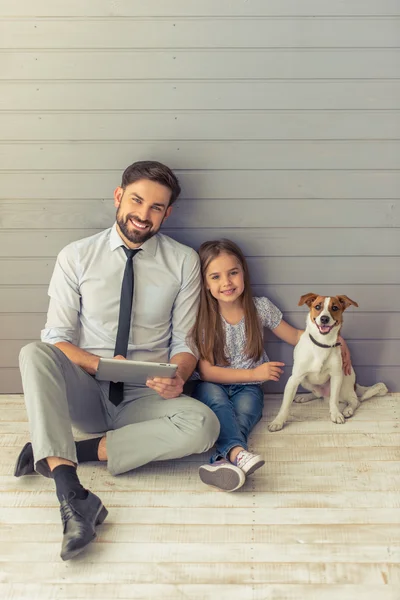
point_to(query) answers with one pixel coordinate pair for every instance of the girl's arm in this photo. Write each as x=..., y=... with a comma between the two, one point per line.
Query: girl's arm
x=287, y=333
x=269, y=371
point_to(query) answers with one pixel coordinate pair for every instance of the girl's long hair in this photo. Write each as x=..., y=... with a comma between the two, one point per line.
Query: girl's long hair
x=208, y=334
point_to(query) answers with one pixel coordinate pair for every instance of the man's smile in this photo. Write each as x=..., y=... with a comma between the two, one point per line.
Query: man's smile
x=139, y=224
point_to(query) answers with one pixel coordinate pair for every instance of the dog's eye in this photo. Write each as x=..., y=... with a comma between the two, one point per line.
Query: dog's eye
x=335, y=308
x=318, y=307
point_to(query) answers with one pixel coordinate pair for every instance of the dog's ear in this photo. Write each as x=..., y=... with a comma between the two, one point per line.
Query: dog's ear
x=345, y=301
x=307, y=299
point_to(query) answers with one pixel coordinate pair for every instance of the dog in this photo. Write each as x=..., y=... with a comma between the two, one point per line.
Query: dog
x=318, y=363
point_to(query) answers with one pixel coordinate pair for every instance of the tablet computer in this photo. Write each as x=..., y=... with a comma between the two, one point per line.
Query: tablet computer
x=132, y=371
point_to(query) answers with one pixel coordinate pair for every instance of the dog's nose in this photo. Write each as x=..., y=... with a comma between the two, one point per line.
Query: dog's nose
x=324, y=319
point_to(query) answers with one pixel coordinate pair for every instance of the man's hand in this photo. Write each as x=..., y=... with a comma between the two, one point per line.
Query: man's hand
x=346, y=359
x=167, y=387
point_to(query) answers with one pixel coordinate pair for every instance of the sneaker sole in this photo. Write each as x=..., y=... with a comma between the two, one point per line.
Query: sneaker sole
x=254, y=465
x=225, y=478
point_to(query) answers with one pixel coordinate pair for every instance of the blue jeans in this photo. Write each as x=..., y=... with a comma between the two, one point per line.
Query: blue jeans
x=238, y=408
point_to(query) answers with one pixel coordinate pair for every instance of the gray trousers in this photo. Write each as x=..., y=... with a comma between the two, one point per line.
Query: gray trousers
x=143, y=428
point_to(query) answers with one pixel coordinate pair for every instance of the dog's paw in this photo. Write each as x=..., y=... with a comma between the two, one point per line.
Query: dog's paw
x=337, y=418
x=301, y=398
x=348, y=412
x=381, y=389
x=275, y=425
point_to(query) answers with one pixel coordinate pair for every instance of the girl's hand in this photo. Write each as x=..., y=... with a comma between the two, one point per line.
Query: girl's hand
x=269, y=371
x=346, y=359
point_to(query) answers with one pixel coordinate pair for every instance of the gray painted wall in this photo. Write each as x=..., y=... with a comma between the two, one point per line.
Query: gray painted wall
x=281, y=118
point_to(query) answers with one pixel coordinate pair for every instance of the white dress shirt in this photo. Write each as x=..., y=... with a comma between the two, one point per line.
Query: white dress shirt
x=85, y=293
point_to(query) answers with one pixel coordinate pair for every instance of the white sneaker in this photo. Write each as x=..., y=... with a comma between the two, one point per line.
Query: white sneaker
x=222, y=475
x=249, y=462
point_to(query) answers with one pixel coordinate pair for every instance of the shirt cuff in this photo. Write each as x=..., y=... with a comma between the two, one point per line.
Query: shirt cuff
x=54, y=336
x=181, y=348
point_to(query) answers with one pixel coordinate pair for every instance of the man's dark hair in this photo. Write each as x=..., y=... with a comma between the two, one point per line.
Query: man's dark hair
x=154, y=171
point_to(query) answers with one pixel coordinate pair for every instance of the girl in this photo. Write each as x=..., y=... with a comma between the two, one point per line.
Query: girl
x=228, y=335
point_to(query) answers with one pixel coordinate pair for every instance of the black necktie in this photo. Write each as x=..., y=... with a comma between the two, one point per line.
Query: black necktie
x=124, y=322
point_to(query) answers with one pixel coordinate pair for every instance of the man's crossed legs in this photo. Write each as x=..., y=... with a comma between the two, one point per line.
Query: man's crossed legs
x=143, y=428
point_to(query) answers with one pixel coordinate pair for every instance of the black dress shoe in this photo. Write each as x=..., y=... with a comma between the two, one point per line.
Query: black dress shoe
x=79, y=518
x=25, y=464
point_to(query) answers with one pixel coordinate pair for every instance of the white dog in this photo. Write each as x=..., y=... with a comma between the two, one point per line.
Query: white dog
x=318, y=363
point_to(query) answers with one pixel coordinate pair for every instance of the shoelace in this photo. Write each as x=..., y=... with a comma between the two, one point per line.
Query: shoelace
x=66, y=511
x=242, y=458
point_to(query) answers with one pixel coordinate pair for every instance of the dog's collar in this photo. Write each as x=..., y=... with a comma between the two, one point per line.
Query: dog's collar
x=323, y=345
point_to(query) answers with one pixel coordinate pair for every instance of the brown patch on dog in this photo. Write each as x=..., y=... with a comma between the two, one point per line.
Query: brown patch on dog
x=337, y=306
x=336, y=309
x=346, y=301
x=314, y=302
x=308, y=299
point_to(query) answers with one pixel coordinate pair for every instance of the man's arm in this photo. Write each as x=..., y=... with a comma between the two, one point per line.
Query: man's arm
x=87, y=361
x=186, y=364
x=183, y=317
x=63, y=316
x=184, y=310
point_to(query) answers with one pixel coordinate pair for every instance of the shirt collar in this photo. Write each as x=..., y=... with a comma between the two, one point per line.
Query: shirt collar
x=149, y=246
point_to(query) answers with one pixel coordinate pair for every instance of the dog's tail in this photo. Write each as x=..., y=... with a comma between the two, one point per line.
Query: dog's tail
x=363, y=393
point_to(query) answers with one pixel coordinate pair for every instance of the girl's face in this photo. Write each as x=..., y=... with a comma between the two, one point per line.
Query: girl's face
x=224, y=278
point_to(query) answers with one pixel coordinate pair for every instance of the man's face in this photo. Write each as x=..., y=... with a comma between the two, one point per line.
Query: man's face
x=142, y=207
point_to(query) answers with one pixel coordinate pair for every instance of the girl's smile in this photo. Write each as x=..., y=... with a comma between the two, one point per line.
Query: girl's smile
x=224, y=278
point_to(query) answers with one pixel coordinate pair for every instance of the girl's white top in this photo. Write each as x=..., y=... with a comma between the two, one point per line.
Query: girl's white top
x=235, y=337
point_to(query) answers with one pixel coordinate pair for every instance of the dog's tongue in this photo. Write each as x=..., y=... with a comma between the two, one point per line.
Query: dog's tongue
x=324, y=328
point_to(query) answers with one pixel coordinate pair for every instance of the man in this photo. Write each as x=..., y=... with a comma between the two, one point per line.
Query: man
x=127, y=292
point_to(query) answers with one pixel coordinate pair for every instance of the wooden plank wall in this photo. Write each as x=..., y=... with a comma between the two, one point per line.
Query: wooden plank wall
x=280, y=117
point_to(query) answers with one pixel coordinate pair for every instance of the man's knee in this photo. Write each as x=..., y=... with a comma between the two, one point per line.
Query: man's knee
x=33, y=350
x=37, y=355
x=207, y=428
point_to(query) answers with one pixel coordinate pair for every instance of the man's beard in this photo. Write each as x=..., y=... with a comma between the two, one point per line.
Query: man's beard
x=133, y=235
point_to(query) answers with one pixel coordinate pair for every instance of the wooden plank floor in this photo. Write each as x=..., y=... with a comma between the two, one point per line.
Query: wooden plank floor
x=320, y=521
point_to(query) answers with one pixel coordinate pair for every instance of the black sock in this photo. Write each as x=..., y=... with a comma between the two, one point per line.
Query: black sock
x=66, y=480
x=86, y=450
